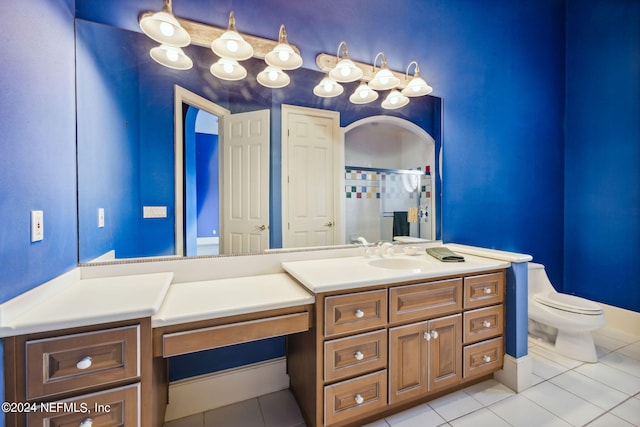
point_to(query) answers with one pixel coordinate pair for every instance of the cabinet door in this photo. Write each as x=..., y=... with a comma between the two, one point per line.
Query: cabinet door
x=407, y=362
x=445, y=352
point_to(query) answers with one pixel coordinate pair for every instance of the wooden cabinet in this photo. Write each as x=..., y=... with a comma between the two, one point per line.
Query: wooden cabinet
x=95, y=375
x=370, y=353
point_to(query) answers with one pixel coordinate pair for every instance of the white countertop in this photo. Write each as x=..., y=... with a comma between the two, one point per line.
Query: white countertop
x=210, y=299
x=92, y=301
x=324, y=275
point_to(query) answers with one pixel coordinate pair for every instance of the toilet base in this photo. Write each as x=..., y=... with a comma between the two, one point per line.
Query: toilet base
x=576, y=345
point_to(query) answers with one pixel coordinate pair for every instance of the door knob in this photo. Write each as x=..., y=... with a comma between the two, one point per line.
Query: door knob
x=329, y=224
x=261, y=227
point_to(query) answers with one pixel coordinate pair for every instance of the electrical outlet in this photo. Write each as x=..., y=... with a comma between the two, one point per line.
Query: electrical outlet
x=100, y=217
x=37, y=226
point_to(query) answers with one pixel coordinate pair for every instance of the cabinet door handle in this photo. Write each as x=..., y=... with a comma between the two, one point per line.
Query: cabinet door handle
x=84, y=363
x=359, y=313
x=434, y=334
x=487, y=290
x=359, y=399
x=486, y=323
x=87, y=422
x=486, y=358
x=358, y=355
x=427, y=336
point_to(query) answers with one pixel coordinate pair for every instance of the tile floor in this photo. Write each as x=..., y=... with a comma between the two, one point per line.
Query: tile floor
x=564, y=393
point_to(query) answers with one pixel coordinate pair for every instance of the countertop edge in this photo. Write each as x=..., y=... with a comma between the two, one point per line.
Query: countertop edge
x=489, y=253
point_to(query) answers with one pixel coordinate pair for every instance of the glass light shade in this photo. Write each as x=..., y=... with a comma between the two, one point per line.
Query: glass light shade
x=417, y=87
x=384, y=79
x=231, y=44
x=345, y=71
x=273, y=77
x=394, y=100
x=171, y=57
x=328, y=88
x=284, y=57
x=164, y=28
x=363, y=94
x=228, y=69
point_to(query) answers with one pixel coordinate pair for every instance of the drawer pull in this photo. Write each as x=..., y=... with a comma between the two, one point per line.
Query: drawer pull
x=84, y=363
x=487, y=290
x=87, y=422
x=359, y=399
x=486, y=323
x=486, y=358
x=358, y=355
x=359, y=313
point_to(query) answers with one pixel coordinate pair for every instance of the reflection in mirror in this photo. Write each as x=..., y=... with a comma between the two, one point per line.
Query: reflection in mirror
x=126, y=157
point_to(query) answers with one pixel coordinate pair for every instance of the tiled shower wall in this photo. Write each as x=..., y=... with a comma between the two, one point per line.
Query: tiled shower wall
x=373, y=195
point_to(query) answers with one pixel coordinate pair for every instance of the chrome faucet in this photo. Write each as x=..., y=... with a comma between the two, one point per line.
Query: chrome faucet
x=384, y=248
x=367, y=250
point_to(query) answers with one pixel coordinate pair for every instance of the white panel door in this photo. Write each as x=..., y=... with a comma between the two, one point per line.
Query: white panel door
x=310, y=138
x=245, y=182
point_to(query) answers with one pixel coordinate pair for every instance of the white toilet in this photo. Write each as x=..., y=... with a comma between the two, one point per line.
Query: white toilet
x=562, y=321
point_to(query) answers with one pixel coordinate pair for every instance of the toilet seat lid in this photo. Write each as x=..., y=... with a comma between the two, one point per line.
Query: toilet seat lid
x=569, y=303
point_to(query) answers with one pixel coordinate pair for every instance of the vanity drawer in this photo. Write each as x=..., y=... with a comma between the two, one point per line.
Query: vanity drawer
x=74, y=362
x=355, y=312
x=355, y=398
x=483, y=358
x=480, y=291
x=483, y=323
x=115, y=407
x=425, y=300
x=346, y=357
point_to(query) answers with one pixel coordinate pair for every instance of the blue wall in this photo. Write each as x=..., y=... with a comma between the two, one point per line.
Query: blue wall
x=207, y=184
x=602, y=151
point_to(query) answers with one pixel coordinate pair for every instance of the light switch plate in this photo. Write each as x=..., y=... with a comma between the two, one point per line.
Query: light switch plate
x=154, y=211
x=37, y=226
x=100, y=217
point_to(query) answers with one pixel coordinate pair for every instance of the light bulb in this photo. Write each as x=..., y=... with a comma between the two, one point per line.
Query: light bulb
x=363, y=94
x=172, y=55
x=227, y=67
x=415, y=88
x=344, y=71
x=273, y=75
x=283, y=55
x=394, y=100
x=384, y=80
x=328, y=87
x=232, y=45
x=167, y=29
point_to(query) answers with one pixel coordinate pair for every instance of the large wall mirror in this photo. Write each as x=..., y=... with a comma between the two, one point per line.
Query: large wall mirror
x=127, y=183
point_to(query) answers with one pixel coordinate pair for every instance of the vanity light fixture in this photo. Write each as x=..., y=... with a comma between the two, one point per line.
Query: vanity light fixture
x=171, y=57
x=363, y=94
x=283, y=55
x=163, y=27
x=328, y=88
x=228, y=69
x=273, y=77
x=345, y=70
x=383, y=79
x=416, y=86
x=394, y=100
x=231, y=44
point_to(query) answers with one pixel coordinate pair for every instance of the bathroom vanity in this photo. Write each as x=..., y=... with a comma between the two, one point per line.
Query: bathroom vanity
x=366, y=336
x=381, y=344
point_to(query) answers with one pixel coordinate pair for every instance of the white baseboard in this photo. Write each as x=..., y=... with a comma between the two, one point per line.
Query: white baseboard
x=199, y=394
x=619, y=319
x=516, y=373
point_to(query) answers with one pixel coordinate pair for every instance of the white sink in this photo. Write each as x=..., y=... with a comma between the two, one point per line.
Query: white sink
x=400, y=264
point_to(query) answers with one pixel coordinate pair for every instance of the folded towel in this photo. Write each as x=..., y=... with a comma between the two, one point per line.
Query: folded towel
x=444, y=254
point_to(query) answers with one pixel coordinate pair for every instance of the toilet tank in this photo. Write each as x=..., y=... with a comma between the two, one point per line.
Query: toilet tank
x=538, y=279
